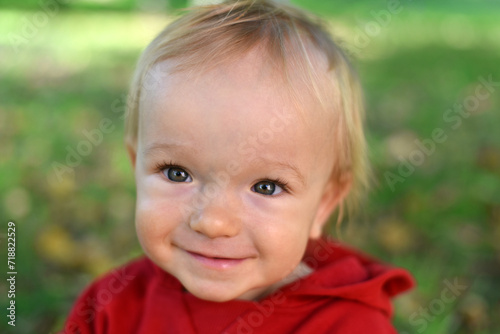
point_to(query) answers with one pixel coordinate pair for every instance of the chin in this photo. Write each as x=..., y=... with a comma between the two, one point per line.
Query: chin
x=214, y=295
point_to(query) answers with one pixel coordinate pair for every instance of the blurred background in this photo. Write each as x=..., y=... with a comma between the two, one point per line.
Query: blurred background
x=431, y=75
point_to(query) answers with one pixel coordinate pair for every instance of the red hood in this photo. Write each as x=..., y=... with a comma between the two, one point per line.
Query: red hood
x=341, y=272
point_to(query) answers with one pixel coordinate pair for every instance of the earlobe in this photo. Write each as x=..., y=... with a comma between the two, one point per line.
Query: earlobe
x=132, y=153
x=333, y=195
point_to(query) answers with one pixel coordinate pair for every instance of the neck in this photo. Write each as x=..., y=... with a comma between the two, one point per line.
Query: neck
x=301, y=270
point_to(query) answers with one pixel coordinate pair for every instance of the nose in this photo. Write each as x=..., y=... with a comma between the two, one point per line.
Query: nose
x=218, y=217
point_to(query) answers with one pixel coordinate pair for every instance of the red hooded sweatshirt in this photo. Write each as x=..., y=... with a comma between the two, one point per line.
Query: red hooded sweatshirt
x=348, y=292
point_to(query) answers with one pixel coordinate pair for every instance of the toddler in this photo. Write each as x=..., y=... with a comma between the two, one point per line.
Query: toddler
x=245, y=133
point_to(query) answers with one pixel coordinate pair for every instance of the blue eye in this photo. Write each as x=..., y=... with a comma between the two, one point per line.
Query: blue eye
x=177, y=174
x=267, y=188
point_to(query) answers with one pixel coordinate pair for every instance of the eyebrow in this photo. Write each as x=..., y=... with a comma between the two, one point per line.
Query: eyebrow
x=162, y=146
x=285, y=165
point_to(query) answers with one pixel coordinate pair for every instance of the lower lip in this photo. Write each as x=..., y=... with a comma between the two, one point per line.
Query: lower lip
x=216, y=263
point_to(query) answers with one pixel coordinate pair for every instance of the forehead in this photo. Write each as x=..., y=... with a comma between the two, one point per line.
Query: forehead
x=243, y=102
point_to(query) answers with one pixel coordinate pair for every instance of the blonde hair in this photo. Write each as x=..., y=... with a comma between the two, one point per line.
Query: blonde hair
x=210, y=35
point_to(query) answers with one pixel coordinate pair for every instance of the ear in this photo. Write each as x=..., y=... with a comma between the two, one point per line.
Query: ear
x=334, y=193
x=132, y=153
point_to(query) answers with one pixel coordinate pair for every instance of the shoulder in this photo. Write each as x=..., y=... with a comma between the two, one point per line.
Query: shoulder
x=356, y=318
x=319, y=315
x=122, y=282
x=122, y=288
x=132, y=275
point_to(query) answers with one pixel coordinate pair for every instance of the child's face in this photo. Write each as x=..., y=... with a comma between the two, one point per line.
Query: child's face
x=248, y=183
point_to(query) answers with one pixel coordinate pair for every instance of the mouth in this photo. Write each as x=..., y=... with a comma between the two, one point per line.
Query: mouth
x=215, y=262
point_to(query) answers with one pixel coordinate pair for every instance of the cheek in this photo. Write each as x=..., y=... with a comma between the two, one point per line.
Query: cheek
x=156, y=212
x=155, y=221
x=281, y=254
x=283, y=232
x=282, y=237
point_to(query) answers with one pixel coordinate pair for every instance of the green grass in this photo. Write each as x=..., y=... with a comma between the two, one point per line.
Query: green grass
x=442, y=222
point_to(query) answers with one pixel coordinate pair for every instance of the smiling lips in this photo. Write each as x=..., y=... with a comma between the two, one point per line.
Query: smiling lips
x=216, y=262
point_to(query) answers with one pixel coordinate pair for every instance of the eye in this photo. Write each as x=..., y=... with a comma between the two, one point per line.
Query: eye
x=177, y=174
x=267, y=188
